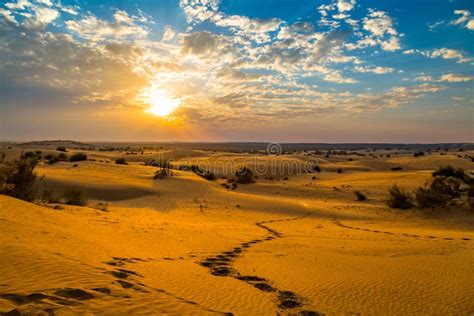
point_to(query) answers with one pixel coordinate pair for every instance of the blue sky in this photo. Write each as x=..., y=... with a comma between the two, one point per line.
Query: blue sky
x=236, y=70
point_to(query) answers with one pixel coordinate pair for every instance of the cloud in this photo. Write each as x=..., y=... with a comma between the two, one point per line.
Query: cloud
x=336, y=76
x=465, y=19
x=96, y=29
x=381, y=31
x=455, y=78
x=445, y=53
x=45, y=15
x=376, y=70
x=424, y=78
x=19, y=5
x=168, y=34
x=345, y=5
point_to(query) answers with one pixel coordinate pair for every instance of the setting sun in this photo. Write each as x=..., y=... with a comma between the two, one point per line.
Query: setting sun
x=160, y=103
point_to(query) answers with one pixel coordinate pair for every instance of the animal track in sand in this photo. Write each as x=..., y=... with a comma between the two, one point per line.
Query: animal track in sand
x=220, y=265
x=338, y=223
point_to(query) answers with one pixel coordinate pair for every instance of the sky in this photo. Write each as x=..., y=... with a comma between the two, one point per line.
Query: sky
x=392, y=71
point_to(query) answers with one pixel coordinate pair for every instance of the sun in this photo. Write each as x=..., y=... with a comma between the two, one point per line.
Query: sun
x=160, y=103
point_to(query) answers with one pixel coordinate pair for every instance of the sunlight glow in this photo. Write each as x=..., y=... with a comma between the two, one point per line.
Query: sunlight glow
x=160, y=103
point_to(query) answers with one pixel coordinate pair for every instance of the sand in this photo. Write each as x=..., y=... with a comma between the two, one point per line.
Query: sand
x=187, y=246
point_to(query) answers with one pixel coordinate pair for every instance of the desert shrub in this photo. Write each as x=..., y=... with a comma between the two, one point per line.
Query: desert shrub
x=438, y=193
x=399, y=199
x=244, y=176
x=418, y=154
x=53, y=160
x=29, y=154
x=339, y=170
x=360, y=196
x=48, y=196
x=63, y=157
x=396, y=168
x=78, y=157
x=104, y=207
x=63, y=149
x=121, y=161
x=160, y=174
x=316, y=169
x=74, y=197
x=18, y=179
x=449, y=171
x=208, y=175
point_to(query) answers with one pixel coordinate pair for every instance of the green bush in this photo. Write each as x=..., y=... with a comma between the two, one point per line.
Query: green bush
x=18, y=179
x=78, y=157
x=74, y=197
x=399, y=199
x=244, y=176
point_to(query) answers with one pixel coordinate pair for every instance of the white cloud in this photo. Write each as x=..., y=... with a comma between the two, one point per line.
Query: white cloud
x=424, y=78
x=345, y=5
x=376, y=70
x=7, y=15
x=19, y=5
x=465, y=19
x=45, y=2
x=337, y=77
x=454, y=78
x=168, y=34
x=45, y=15
x=447, y=53
x=382, y=32
x=95, y=29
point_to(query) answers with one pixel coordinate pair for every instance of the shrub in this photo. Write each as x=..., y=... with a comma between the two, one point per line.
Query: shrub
x=399, y=199
x=78, y=157
x=449, y=171
x=396, y=168
x=316, y=169
x=63, y=149
x=48, y=196
x=18, y=178
x=121, y=161
x=208, y=176
x=360, y=196
x=244, y=176
x=160, y=174
x=102, y=207
x=438, y=193
x=74, y=197
x=339, y=170
x=418, y=154
x=63, y=157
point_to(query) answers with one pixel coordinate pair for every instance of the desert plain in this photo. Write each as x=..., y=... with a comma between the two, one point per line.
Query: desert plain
x=290, y=243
